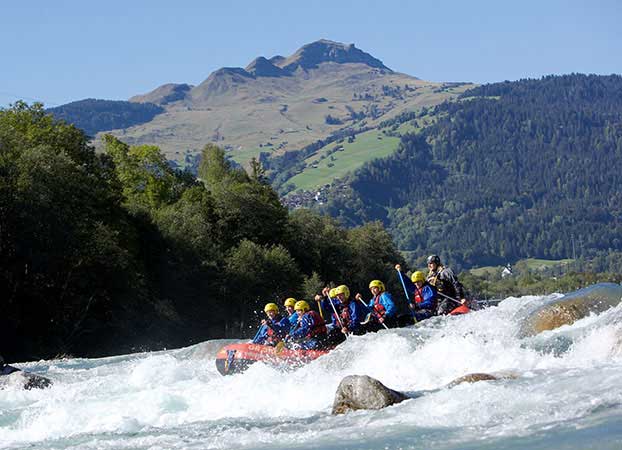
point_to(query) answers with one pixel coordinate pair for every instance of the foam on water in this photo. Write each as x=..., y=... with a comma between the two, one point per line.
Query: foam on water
x=567, y=381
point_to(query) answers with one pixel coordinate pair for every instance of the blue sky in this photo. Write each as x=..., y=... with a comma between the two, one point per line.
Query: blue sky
x=66, y=50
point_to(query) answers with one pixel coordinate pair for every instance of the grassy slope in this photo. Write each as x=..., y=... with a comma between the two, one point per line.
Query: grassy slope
x=284, y=113
x=368, y=145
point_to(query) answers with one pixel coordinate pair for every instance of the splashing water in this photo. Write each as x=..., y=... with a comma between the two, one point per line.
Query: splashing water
x=565, y=393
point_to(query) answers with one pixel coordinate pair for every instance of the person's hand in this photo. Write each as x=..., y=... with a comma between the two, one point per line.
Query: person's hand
x=344, y=330
x=264, y=322
x=325, y=291
x=463, y=301
x=358, y=296
x=398, y=267
x=381, y=319
x=318, y=297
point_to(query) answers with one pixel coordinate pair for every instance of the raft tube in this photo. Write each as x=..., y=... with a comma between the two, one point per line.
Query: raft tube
x=236, y=358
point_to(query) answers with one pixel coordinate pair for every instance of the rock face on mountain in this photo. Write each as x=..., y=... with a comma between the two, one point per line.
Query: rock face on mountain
x=165, y=94
x=261, y=67
x=310, y=56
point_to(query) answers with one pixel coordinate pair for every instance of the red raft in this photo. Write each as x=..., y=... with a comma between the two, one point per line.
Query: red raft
x=236, y=358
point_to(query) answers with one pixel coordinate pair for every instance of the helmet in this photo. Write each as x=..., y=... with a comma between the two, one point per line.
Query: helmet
x=378, y=284
x=332, y=293
x=271, y=307
x=290, y=302
x=417, y=276
x=343, y=289
x=434, y=259
x=301, y=304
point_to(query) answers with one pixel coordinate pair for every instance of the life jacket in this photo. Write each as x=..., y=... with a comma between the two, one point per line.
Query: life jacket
x=344, y=314
x=379, y=307
x=271, y=335
x=433, y=279
x=319, y=327
x=440, y=284
x=417, y=295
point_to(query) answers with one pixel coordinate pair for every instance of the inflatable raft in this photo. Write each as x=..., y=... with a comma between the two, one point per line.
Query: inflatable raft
x=236, y=358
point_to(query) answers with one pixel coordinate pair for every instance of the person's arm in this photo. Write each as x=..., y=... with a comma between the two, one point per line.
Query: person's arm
x=448, y=274
x=389, y=305
x=281, y=327
x=261, y=336
x=303, y=328
x=357, y=315
x=428, y=298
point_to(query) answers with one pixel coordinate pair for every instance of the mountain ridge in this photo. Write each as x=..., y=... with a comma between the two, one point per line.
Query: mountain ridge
x=277, y=104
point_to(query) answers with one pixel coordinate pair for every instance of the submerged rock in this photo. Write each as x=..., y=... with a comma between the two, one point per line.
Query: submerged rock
x=475, y=377
x=24, y=380
x=363, y=392
x=572, y=307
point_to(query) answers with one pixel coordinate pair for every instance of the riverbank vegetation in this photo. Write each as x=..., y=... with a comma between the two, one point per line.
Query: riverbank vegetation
x=107, y=253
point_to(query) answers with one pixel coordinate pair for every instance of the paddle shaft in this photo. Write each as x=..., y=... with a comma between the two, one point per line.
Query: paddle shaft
x=374, y=313
x=412, y=312
x=337, y=315
x=449, y=298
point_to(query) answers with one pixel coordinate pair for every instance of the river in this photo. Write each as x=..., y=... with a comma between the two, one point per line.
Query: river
x=566, y=393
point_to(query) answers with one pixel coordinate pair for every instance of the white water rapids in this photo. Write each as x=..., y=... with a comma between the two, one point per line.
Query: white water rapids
x=567, y=394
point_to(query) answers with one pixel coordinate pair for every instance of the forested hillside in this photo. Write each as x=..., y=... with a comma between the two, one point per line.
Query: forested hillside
x=516, y=169
x=106, y=253
x=93, y=115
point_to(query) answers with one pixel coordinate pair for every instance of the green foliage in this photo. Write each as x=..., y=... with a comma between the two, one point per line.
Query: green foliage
x=532, y=283
x=148, y=181
x=94, y=116
x=115, y=252
x=64, y=238
x=522, y=169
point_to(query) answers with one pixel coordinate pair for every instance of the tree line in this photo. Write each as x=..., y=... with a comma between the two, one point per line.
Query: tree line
x=114, y=251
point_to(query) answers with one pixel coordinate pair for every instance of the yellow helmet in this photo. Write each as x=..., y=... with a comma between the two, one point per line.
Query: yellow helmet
x=343, y=289
x=301, y=304
x=417, y=276
x=290, y=302
x=332, y=293
x=271, y=307
x=378, y=284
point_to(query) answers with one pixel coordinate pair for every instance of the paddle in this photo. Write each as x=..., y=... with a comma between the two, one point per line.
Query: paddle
x=376, y=315
x=258, y=332
x=337, y=315
x=412, y=311
x=278, y=348
x=450, y=298
x=319, y=306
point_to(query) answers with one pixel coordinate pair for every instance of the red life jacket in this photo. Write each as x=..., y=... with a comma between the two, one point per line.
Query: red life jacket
x=379, y=307
x=344, y=315
x=319, y=327
x=417, y=295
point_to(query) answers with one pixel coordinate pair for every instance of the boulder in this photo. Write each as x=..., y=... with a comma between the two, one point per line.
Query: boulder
x=363, y=392
x=24, y=380
x=572, y=307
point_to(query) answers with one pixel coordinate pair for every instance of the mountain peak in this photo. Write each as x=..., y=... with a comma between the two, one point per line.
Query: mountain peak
x=261, y=67
x=311, y=55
